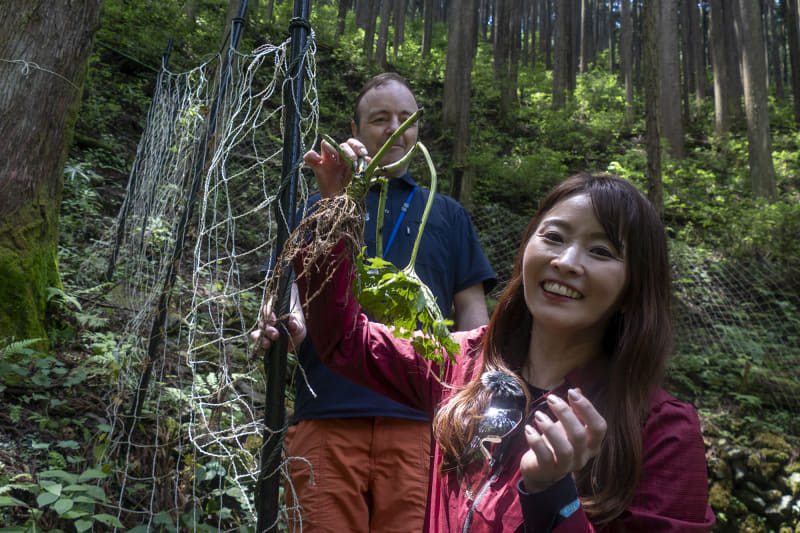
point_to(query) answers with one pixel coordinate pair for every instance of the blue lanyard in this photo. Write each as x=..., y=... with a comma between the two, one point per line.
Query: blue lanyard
x=399, y=220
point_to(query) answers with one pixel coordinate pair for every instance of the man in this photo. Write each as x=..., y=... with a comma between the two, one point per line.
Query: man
x=368, y=456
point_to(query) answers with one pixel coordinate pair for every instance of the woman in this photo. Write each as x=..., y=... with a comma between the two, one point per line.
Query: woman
x=551, y=418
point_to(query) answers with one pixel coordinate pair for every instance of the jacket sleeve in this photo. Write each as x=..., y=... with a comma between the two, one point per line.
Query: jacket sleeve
x=673, y=489
x=362, y=351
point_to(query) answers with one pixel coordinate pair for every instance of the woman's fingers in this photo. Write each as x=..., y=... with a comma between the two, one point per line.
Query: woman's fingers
x=564, y=445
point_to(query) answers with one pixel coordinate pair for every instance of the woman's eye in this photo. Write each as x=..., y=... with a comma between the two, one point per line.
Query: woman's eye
x=552, y=236
x=603, y=252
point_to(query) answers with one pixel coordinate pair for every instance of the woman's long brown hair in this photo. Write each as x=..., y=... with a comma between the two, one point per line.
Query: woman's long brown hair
x=636, y=344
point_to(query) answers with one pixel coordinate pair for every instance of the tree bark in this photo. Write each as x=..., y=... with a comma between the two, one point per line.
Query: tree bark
x=341, y=18
x=506, y=54
x=369, y=29
x=754, y=75
x=790, y=11
x=399, y=17
x=652, y=104
x=586, y=36
x=670, y=77
x=456, y=98
x=774, y=68
x=562, y=64
x=383, y=34
x=45, y=49
x=546, y=33
x=720, y=67
x=427, y=27
x=626, y=54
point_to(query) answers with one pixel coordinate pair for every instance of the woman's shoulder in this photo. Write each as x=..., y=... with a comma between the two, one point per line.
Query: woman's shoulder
x=671, y=416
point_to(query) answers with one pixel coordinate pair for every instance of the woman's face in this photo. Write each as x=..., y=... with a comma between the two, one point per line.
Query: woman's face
x=572, y=275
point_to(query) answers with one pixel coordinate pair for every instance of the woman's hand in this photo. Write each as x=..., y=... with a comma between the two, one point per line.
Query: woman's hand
x=564, y=446
x=267, y=332
x=332, y=173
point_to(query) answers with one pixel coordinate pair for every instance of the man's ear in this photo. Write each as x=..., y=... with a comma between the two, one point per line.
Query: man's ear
x=354, y=128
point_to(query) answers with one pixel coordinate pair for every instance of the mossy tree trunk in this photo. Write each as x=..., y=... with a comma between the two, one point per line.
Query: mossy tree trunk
x=44, y=53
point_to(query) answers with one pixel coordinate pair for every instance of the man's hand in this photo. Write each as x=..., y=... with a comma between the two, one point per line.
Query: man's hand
x=332, y=173
x=268, y=331
x=564, y=446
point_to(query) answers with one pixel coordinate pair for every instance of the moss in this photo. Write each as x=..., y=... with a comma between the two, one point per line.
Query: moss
x=28, y=266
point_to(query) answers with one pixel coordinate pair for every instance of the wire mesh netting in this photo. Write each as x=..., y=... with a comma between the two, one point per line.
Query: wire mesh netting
x=186, y=420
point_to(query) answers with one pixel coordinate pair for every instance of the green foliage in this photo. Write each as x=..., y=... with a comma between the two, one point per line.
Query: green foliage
x=58, y=496
x=399, y=298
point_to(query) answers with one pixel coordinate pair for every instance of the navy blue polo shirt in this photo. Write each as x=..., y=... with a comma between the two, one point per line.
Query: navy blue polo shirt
x=449, y=260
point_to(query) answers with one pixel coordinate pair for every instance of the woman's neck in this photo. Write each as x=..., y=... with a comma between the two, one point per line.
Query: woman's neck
x=552, y=357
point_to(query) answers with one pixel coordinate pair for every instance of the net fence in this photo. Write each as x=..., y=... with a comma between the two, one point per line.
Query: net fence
x=186, y=420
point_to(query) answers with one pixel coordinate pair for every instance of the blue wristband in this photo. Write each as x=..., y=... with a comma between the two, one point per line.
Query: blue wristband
x=570, y=508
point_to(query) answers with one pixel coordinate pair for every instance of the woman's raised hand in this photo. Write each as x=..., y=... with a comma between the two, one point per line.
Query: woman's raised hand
x=558, y=448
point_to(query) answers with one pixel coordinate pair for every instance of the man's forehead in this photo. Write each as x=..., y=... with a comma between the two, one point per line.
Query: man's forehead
x=388, y=97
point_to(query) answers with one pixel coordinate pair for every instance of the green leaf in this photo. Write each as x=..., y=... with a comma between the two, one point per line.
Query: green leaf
x=10, y=501
x=92, y=473
x=108, y=520
x=52, y=487
x=83, y=525
x=68, y=477
x=62, y=506
x=46, y=498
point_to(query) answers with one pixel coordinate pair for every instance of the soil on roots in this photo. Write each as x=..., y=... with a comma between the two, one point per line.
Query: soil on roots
x=333, y=220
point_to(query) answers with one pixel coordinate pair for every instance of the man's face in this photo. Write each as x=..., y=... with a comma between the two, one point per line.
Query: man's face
x=381, y=111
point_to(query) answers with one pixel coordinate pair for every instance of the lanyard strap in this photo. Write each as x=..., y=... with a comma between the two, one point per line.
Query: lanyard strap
x=399, y=220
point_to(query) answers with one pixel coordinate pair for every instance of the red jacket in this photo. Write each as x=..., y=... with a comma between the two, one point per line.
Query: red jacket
x=673, y=491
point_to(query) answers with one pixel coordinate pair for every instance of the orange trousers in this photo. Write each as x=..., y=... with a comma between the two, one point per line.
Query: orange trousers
x=366, y=474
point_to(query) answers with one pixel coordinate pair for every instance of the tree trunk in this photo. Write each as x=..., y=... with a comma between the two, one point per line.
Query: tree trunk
x=754, y=75
x=562, y=64
x=427, y=27
x=341, y=19
x=626, y=54
x=399, y=18
x=190, y=12
x=776, y=74
x=687, y=59
x=670, y=77
x=733, y=56
x=369, y=29
x=456, y=98
x=506, y=53
x=790, y=11
x=696, y=53
x=586, y=36
x=720, y=67
x=546, y=33
x=652, y=104
x=46, y=48
x=383, y=34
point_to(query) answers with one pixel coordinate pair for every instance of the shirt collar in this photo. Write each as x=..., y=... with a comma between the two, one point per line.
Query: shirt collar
x=404, y=182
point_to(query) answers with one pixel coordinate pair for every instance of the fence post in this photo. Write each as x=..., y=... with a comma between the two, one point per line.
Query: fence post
x=267, y=490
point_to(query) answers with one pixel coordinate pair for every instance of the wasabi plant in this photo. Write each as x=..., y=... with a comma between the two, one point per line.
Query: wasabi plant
x=396, y=297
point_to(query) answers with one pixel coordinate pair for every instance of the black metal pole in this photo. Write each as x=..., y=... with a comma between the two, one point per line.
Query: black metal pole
x=157, y=331
x=267, y=490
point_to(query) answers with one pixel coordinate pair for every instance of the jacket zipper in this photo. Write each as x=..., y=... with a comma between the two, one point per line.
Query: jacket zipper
x=478, y=498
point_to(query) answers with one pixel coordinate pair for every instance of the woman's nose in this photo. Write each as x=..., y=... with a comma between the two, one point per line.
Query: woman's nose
x=569, y=260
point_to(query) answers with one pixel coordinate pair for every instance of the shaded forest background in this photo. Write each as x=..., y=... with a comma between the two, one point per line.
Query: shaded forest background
x=698, y=103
